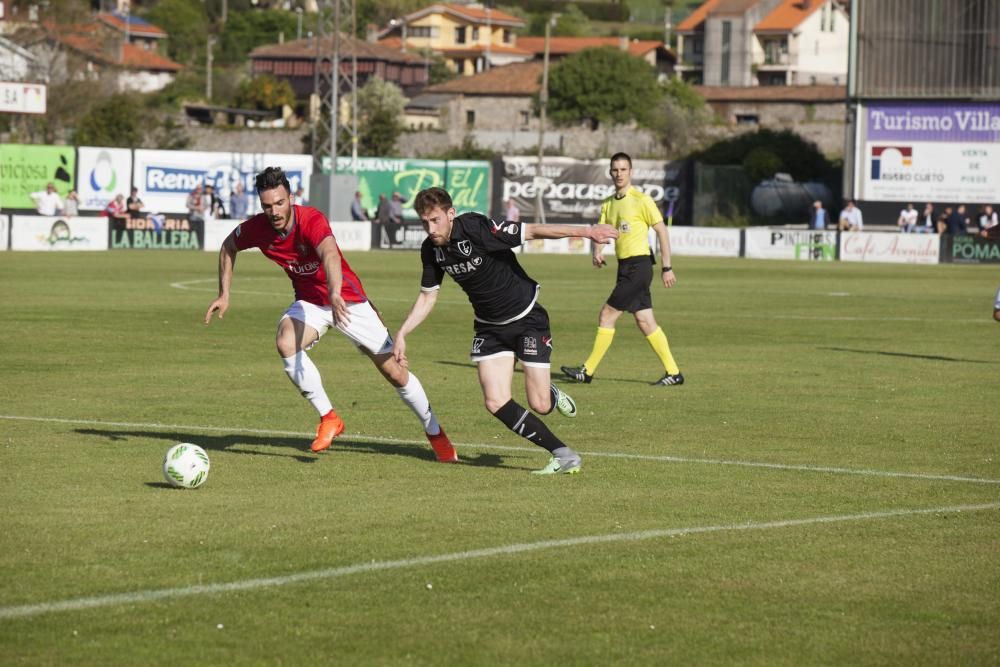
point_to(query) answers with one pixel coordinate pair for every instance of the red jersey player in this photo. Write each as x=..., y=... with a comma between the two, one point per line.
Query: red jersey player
x=328, y=294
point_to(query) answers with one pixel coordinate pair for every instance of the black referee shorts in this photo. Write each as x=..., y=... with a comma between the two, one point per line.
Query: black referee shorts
x=529, y=339
x=631, y=292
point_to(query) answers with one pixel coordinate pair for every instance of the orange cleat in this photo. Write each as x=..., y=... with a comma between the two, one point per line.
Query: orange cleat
x=442, y=447
x=330, y=426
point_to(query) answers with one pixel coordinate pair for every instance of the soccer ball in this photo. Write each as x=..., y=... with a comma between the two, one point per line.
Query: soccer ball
x=186, y=465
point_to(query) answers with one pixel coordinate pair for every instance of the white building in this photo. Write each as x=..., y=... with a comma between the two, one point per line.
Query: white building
x=764, y=43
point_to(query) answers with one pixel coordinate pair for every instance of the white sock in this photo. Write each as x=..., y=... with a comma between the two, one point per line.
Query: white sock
x=996, y=302
x=413, y=395
x=304, y=375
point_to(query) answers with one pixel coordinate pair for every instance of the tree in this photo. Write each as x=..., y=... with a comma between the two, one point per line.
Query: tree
x=245, y=31
x=380, y=107
x=264, y=92
x=186, y=23
x=571, y=23
x=680, y=117
x=114, y=122
x=604, y=85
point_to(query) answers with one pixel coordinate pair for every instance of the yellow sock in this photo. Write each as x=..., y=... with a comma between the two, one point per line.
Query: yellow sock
x=601, y=344
x=658, y=341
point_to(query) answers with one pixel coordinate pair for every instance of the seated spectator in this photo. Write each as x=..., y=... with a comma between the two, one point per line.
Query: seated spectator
x=134, y=205
x=358, y=212
x=908, y=219
x=71, y=206
x=988, y=219
x=850, y=218
x=942, y=220
x=926, y=224
x=48, y=202
x=956, y=223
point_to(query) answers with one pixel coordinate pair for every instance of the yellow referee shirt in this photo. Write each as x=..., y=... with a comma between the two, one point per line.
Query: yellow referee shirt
x=632, y=216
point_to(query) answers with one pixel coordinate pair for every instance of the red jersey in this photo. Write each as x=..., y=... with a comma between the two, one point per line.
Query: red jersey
x=296, y=253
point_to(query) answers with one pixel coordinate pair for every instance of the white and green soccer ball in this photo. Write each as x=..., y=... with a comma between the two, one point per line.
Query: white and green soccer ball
x=186, y=465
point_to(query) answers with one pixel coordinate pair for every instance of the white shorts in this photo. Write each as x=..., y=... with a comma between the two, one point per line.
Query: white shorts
x=366, y=329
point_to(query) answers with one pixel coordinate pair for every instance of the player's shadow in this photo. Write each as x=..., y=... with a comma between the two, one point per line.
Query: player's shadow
x=240, y=443
x=929, y=357
x=557, y=376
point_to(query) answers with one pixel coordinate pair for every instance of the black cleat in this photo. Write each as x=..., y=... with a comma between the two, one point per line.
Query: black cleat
x=668, y=380
x=577, y=374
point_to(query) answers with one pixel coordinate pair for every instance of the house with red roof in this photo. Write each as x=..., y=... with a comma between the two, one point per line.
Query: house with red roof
x=764, y=43
x=96, y=50
x=654, y=52
x=471, y=38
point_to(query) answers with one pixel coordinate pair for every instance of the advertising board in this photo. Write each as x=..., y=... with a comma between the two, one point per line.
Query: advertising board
x=890, y=247
x=704, y=242
x=165, y=178
x=156, y=233
x=781, y=243
x=25, y=169
x=4, y=232
x=102, y=173
x=919, y=152
x=37, y=232
x=467, y=181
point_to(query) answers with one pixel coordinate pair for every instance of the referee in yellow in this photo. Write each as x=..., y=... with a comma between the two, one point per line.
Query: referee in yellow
x=632, y=212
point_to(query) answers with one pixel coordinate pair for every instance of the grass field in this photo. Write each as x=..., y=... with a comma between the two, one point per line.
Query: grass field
x=824, y=489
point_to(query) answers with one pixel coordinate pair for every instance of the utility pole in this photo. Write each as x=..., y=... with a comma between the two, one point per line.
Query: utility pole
x=543, y=100
x=208, y=68
x=331, y=78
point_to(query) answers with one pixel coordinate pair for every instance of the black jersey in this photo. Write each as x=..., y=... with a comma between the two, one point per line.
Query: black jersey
x=479, y=257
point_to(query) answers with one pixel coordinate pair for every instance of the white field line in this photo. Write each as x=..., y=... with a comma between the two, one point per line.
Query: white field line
x=189, y=285
x=78, y=604
x=474, y=445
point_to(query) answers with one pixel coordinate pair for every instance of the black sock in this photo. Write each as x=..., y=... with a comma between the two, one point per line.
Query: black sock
x=528, y=426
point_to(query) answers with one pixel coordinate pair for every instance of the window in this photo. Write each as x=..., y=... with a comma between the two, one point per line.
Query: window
x=747, y=119
x=696, y=45
x=425, y=31
x=507, y=34
x=470, y=118
x=727, y=33
x=475, y=34
x=460, y=35
x=525, y=118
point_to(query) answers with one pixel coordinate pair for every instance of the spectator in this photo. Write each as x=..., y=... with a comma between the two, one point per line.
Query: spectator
x=116, y=208
x=513, y=213
x=358, y=212
x=908, y=219
x=214, y=210
x=47, y=202
x=238, y=204
x=383, y=216
x=957, y=224
x=850, y=218
x=194, y=205
x=942, y=220
x=71, y=206
x=134, y=205
x=396, y=208
x=818, y=217
x=988, y=219
x=300, y=197
x=926, y=223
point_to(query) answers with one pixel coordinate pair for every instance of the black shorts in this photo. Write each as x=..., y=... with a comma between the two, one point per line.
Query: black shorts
x=631, y=292
x=529, y=339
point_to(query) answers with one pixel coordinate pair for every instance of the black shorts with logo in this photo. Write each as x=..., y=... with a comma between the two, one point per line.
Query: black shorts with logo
x=529, y=339
x=631, y=292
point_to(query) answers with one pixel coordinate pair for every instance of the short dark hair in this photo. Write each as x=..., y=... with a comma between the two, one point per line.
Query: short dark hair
x=271, y=178
x=621, y=156
x=431, y=197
